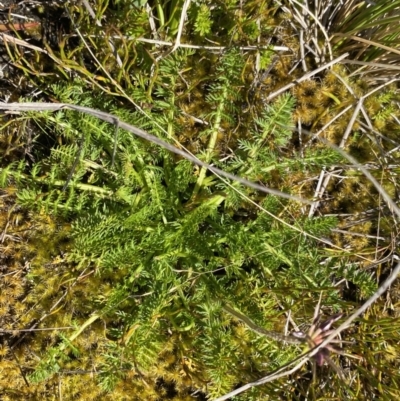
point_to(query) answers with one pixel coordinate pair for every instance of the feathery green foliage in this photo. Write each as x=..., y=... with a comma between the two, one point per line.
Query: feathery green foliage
x=137, y=251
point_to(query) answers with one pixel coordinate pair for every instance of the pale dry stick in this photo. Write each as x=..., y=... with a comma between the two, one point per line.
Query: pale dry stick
x=4, y=235
x=336, y=230
x=328, y=18
x=390, y=257
x=302, y=52
x=300, y=137
x=295, y=66
x=110, y=118
x=185, y=7
x=15, y=41
x=351, y=91
x=200, y=47
x=298, y=18
x=90, y=11
x=29, y=330
x=378, y=88
x=379, y=221
x=395, y=149
x=19, y=16
x=335, y=173
x=324, y=178
x=11, y=273
x=310, y=49
x=318, y=16
x=289, y=319
x=98, y=23
x=258, y=56
x=320, y=54
x=351, y=123
x=316, y=135
x=306, y=76
x=195, y=119
x=152, y=23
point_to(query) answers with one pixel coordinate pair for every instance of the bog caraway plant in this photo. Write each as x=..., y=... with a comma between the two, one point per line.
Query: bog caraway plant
x=128, y=273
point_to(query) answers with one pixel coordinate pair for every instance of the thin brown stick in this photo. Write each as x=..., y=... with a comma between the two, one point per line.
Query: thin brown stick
x=21, y=26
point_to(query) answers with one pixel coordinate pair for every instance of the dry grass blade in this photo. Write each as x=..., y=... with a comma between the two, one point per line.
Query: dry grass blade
x=16, y=41
x=371, y=64
x=144, y=135
x=216, y=49
x=370, y=42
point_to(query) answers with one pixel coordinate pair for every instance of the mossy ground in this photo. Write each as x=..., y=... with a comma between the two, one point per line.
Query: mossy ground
x=134, y=258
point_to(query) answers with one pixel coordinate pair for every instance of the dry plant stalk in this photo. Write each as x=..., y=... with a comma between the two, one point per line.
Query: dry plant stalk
x=18, y=107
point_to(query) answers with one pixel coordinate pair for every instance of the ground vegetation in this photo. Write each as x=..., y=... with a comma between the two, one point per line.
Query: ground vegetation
x=128, y=272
